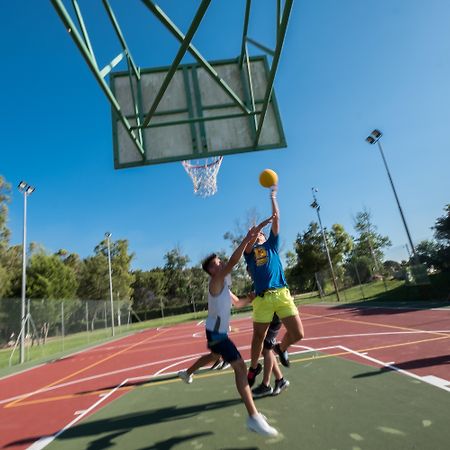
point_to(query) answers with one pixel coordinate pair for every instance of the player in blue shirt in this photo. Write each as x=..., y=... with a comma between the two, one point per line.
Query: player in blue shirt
x=272, y=294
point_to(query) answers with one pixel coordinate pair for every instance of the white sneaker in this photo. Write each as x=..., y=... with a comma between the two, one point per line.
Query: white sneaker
x=258, y=424
x=185, y=377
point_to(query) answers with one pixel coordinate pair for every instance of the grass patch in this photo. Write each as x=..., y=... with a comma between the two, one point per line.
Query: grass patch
x=57, y=347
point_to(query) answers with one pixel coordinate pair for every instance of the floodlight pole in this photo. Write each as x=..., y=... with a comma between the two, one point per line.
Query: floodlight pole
x=374, y=138
x=108, y=236
x=26, y=190
x=315, y=205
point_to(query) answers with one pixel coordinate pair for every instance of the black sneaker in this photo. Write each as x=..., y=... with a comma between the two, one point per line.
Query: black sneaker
x=252, y=374
x=280, y=386
x=262, y=391
x=283, y=356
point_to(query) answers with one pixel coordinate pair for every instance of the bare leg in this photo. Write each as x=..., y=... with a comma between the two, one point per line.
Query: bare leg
x=203, y=361
x=259, y=333
x=294, y=331
x=240, y=375
x=269, y=360
x=270, y=365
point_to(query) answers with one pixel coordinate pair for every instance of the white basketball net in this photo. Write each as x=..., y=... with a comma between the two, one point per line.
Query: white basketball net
x=203, y=173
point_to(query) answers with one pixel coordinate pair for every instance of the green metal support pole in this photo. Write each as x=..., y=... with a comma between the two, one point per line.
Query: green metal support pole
x=84, y=30
x=280, y=41
x=71, y=28
x=179, y=56
x=244, y=32
x=121, y=38
x=165, y=20
x=261, y=47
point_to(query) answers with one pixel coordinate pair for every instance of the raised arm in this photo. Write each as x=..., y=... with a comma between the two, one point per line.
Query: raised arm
x=216, y=284
x=217, y=281
x=259, y=227
x=275, y=211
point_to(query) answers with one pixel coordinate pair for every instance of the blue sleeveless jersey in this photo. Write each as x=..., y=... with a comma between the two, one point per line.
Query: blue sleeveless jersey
x=265, y=266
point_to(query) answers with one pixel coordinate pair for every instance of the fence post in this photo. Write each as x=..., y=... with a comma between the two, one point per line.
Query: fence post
x=87, y=322
x=62, y=323
x=162, y=307
x=359, y=280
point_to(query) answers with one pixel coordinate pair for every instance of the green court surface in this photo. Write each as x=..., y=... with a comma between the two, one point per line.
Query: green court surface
x=332, y=403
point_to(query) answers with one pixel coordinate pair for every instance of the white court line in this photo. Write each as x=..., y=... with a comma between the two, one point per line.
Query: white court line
x=396, y=369
x=43, y=442
x=93, y=377
x=192, y=356
x=383, y=333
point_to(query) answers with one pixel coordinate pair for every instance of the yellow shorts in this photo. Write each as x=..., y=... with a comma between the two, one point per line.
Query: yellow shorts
x=274, y=301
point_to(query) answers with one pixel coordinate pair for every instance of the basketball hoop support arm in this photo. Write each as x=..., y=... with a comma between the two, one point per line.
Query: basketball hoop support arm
x=86, y=51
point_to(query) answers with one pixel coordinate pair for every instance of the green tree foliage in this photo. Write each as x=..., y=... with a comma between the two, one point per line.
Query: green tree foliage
x=427, y=251
x=442, y=234
x=311, y=256
x=359, y=269
x=176, y=276
x=5, y=274
x=148, y=289
x=368, y=242
x=49, y=278
x=94, y=273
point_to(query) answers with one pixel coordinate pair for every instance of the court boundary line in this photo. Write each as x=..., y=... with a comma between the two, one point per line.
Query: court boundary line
x=44, y=441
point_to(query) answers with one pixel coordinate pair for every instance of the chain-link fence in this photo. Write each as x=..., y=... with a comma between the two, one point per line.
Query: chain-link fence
x=56, y=326
x=357, y=281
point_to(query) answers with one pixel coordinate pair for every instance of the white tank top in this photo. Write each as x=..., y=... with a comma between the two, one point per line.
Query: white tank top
x=219, y=309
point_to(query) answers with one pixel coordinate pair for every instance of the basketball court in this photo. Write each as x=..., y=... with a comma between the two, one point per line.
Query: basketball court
x=362, y=378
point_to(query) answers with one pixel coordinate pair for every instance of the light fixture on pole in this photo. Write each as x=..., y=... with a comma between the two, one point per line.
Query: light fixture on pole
x=374, y=138
x=26, y=190
x=315, y=205
x=108, y=236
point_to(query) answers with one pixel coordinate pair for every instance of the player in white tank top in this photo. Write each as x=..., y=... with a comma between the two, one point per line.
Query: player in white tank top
x=219, y=309
x=219, y=305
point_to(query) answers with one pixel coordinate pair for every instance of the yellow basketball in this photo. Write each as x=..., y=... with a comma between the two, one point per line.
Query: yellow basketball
x=268, y=178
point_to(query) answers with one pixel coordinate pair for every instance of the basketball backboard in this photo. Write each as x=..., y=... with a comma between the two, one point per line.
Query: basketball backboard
x=195, y=117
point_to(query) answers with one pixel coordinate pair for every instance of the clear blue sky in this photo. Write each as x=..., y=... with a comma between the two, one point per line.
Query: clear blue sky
x=348, y=66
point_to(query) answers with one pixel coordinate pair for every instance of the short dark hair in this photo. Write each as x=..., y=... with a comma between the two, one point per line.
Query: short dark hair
x=206, y=261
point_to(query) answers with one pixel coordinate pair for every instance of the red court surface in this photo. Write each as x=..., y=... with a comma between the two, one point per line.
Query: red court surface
x=40, y=403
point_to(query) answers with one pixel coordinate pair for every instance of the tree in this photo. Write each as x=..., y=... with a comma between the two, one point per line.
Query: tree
x=427, y=252
x=94, y=284
x=49, y=278
x=311, y=258
x=442, y=234
x=176, y=279
x=5, y=274
x=368, y=242
x=148, y=289
x=442, y=227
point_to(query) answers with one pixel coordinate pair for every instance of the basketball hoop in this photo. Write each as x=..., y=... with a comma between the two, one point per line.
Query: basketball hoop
x=203, y=173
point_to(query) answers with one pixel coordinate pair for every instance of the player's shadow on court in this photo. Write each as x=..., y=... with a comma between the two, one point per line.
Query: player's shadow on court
x=122, y=424
x=408, y=365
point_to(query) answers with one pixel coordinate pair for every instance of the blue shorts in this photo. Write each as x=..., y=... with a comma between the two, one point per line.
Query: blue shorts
x=222, y=345
x=272, y=333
